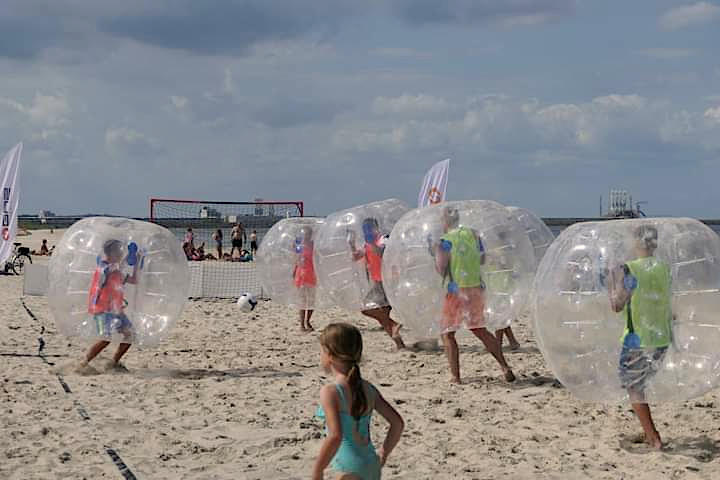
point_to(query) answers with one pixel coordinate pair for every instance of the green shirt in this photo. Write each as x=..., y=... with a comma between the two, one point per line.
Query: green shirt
x=498, y=279
x=465, y=257
x=650, y=303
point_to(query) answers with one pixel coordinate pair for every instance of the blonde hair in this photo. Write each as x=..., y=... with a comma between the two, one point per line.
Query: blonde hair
x=648, y=235
x=451, y=216
x=344, y=343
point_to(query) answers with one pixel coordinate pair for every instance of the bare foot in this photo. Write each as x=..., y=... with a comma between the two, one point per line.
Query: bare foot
x=456, y=381
x=509, y=375
x=309, y=327
x=395, y=331
x=395, y=335
x=115, y=367
x=655, y=441
x=514, y=346
x=84, y=369
x=302, y=328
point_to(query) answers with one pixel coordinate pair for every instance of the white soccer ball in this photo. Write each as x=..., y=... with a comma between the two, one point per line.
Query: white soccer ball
x=247, y=302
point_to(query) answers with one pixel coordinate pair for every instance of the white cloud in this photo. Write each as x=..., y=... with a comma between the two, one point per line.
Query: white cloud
x=11, y=104
x=228, y=83
x=180, y=107
x=400, y=52
x=49, y=110
x=713, y=114
x=45, y=110
x=407, y=137
x=562, y=124
x=687, y=15
x=410, y=105
x=522, y=20
x=286, y=51
x=180, y=103
x=541, y=133
x=668, y=53
x=633, y=102
x=125, y=142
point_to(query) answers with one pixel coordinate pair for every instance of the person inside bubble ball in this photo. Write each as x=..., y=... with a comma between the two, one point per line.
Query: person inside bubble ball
x=501, y=281
x=459, y=258
x=641, y=290
x=304, y=276
x=106, y=301
x=372, y=253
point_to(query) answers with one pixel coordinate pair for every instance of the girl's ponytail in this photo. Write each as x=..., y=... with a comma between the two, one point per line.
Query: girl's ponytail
x=359, y=399
x=344, y=343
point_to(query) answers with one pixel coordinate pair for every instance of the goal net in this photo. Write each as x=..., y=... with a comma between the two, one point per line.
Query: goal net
x=234, y=273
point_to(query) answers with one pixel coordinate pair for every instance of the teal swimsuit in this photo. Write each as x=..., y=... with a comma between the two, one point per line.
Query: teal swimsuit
x=356, y=453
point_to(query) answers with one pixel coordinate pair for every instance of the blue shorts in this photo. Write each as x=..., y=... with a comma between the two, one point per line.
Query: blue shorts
x=109, y=323
x=638, y=365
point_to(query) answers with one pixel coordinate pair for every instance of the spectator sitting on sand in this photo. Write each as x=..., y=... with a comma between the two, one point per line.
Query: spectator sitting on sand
x=198, y=254
x=188, y=250
x=43, y=249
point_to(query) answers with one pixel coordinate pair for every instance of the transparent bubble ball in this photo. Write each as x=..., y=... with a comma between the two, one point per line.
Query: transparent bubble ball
x=286, y=266
x=541, y=237
x=416, y=290
x=86, y=283
x=349, y=248
x=631, y=309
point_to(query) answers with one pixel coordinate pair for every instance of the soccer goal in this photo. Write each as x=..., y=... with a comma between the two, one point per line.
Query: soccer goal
x=234, y=273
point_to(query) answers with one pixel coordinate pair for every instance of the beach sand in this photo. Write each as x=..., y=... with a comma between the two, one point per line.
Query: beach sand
x=232, y=396
x=33, y=239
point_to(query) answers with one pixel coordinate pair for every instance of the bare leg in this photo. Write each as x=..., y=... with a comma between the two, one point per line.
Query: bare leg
x=122, y=348
x=499, y=336
x=347, y=476
x=642, y=410
x=382, y=315
x=493, y=347
x=305, y=324
x=95, y=350
x=453, y=355
x=514, y=344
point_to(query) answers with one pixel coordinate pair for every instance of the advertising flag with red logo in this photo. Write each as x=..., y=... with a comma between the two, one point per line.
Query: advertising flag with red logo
x=10, y=191
x=434, y=184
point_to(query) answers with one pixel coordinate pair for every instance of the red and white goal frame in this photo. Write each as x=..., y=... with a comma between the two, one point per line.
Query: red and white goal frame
x=156, y=202
x=221, y=279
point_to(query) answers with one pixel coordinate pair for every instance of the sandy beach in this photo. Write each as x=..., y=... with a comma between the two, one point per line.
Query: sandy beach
x=232, y=396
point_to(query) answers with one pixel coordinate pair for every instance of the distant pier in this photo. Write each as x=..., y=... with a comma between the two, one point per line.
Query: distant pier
x=555, y=223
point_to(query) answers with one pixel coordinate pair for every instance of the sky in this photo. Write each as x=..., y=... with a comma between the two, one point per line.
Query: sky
x=542, y=104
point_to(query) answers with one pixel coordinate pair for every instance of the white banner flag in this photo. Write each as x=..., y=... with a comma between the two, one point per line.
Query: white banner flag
x=434, y=184
x=10, y=191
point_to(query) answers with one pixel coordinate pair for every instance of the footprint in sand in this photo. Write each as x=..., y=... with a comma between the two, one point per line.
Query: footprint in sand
x=76, y=368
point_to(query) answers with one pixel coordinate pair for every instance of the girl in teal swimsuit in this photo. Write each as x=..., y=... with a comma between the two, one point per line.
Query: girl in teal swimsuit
x=346, y=406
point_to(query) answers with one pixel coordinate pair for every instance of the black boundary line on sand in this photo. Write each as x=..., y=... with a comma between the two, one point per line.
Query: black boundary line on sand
x=114, y=456
x=33, y=355
x=124, y=470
